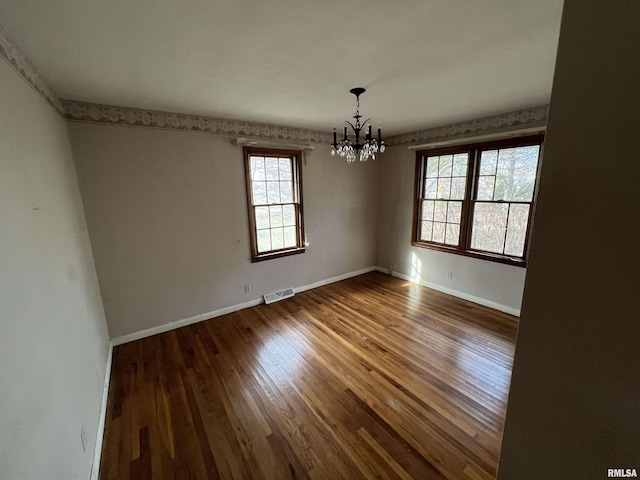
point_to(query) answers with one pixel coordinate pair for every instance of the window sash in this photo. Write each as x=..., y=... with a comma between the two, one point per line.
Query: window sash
x=508, y=226
x=270, y=228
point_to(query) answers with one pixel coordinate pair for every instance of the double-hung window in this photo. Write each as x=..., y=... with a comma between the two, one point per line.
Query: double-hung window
x=274, y=198
x=477, y=200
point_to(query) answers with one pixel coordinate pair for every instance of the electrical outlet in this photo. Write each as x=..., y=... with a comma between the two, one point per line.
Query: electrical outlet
x=83, y=438
x=247, y=287
x=449, y=275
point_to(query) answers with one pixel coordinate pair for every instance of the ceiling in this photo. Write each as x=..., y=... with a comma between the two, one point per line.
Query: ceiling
x=292, y=62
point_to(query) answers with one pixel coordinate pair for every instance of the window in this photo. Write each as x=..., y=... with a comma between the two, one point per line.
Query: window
x=477, y=200
x=274, y=197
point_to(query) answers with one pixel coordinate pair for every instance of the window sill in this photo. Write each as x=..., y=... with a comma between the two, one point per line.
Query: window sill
x=492, y=257
x=278, y=254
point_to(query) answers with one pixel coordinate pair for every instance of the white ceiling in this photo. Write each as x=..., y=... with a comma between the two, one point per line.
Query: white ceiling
x=292, y=62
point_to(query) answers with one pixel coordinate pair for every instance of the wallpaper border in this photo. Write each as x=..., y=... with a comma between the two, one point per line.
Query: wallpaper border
x=108, y=114
x=19, y=61
x=97, y=113
x=528, y=117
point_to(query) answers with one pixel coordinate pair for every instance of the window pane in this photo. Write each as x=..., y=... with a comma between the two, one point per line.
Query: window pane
x=488, y=161
x=427, y=210
x=452, y=234
x=273, y=192
x=277, y=238
x=444, y=187
x=516, y=230
x=275, y=215
x=458, y=185
x=432, y=167
x=440, y=212
x=446, y=162
x=285, y=169
x=272, y=168
x=460, y=163
x=516, y=173
x=289, y=237
x=485, y=188
x=431, y=188
x=438, y=232
x=259, y=193
x=425, y=231
x=257, y=168
x=262, y=217
x=489, y=224
x=264, y=241
x=286, y=192
x=453, y=212
x=288, y=215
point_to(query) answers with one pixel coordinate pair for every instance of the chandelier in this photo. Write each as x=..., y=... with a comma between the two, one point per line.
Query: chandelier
x=350, y=149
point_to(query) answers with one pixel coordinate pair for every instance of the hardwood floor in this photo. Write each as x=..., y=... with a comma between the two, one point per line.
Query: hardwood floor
x=371, y=377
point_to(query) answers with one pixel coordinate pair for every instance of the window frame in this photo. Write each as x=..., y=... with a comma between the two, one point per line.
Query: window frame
x=296, y=172
x=470, y=198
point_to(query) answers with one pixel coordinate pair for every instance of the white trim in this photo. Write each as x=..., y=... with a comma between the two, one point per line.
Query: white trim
x=252, y=303
x=183, y=323
x=223, y=311
x=344, y=276
x=97, y=452
x=456, y=293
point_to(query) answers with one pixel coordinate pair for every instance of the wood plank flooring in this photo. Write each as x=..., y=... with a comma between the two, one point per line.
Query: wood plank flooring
x=371, y=377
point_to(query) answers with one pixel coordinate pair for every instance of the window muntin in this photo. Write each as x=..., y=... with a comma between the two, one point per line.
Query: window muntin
x=477, y=199
x=443, y=191
x=275, y=202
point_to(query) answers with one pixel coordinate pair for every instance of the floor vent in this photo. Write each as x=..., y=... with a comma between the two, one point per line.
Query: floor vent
x=281, y=295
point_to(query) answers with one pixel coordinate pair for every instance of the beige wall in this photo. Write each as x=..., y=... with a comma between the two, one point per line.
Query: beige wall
x=574, y=405
x=53, y=336
x=493, y=284
x=167, y=217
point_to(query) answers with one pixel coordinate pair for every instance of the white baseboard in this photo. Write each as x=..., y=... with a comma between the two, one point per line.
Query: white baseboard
x=183, y=323
x=223, y=311
x=344, y=276
x=97, y=452
x=252, y=303
x=455, y=293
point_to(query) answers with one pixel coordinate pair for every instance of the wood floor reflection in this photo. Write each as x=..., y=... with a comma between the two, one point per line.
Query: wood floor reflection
x=371, y=377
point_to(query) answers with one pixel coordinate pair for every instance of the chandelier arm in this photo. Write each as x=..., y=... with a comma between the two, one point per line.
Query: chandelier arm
x=350, y=124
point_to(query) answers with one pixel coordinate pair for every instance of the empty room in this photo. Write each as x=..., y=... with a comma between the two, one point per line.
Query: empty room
x=319, y=240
